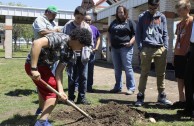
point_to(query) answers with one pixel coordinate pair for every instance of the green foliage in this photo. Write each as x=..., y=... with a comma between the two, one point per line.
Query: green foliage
x=20, y=30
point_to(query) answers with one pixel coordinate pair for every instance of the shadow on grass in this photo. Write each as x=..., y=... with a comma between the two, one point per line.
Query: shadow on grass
x=149, y=105
x=166, y=117
x=106, y=101
x=19, y=92
x=18, y=120
x=155, y=105
x=101, y=91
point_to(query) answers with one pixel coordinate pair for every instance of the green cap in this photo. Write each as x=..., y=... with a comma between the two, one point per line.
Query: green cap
x=53, y=9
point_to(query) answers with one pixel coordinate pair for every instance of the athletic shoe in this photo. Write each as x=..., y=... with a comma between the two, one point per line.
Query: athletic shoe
x=83, y=101
x=38, y=112
x=42, y=123
x=163, y=100
x=140, y=99
x=178, y=105
x=129, y=92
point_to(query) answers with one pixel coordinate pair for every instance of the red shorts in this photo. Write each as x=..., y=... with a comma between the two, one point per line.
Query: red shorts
x=48, y=77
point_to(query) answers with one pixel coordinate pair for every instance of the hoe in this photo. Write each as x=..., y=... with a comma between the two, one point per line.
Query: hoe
x=68, y=101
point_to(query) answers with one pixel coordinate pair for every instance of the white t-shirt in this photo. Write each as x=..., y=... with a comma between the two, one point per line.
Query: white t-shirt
x=192, y=34
x=41, y=23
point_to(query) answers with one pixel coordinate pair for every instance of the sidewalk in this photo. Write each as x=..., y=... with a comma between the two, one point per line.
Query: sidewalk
x=104, y=77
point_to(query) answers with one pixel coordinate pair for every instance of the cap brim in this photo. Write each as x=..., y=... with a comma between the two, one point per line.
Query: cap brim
x=54, y=12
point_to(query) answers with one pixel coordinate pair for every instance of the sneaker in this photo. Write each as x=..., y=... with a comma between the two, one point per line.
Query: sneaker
x=140, y=99
x=38, y=112
x=178, y=105
x=115, y=91
x=163, y=100
x=71, y=98
x=129, y=92
x=83, y=101
x=42, y=123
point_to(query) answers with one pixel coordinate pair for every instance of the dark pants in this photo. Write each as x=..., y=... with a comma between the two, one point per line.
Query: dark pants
x=189, y=80
x=77, y=73
x=90, y=71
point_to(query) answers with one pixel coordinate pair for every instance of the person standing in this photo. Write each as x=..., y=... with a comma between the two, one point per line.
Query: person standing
x=95, y=45
x=152, y=41
x=45, y=24
x=189, y=77
x=42, y=26
x=121, y=37
x=44, y=52
x=77, y=72
x=183, y=32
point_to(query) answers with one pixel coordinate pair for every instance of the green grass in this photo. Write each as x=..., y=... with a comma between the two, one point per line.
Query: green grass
x=19, y=99
x=19, y=52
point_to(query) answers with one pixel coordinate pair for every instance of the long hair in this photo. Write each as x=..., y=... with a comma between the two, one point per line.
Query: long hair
x=125, y=12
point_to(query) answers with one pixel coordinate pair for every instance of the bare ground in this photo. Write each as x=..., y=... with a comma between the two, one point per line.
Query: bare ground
x=116, y=109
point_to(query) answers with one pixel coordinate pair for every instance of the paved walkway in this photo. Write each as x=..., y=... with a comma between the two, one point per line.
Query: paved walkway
x=104, y=77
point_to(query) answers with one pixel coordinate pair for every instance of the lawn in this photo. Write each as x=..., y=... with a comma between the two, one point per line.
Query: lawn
x=19, y=99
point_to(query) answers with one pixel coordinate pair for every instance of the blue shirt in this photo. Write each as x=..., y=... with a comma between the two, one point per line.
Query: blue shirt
x=152, y=30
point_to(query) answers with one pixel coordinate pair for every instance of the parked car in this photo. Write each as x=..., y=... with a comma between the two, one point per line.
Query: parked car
x=20, y=41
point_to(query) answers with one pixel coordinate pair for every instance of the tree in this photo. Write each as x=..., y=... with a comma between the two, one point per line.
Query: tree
x=20, y=30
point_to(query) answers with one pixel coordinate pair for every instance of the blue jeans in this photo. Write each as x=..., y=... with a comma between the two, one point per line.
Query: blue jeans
x=123, y=57
x=90, y=71
x=77, y=73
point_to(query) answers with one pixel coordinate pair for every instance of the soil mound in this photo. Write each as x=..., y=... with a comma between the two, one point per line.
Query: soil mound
x=113, y=114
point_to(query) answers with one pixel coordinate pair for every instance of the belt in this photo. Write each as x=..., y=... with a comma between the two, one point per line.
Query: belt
x=153, y=46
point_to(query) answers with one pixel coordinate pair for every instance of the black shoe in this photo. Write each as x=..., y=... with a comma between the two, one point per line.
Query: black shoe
x=90, y=90
x=71, y=98
x=115, y=91
x=71, y=101
x=184, y=112
x=178, y=105
x=83, y=101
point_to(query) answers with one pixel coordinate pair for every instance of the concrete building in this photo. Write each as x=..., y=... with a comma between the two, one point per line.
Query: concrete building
x=102, y=18
x=135, y=7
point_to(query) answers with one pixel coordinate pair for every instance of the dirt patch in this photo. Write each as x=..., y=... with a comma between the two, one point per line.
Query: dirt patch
x=112, y=114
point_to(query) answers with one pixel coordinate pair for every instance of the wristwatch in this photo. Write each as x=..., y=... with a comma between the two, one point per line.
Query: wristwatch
x=34, y=68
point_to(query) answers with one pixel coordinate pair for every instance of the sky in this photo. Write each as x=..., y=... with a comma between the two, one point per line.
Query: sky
x=61, y=4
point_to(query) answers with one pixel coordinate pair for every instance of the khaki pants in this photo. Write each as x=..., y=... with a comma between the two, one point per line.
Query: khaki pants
x=159, y=56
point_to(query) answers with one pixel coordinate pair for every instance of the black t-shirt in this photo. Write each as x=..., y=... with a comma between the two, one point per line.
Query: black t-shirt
x=121, y=32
